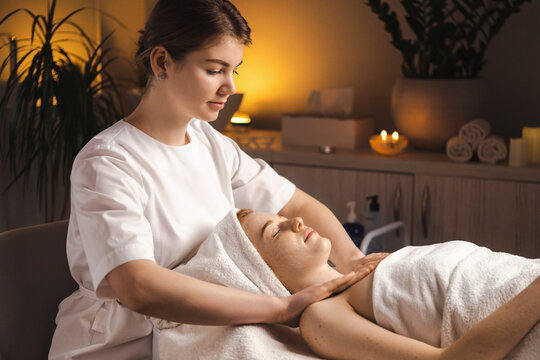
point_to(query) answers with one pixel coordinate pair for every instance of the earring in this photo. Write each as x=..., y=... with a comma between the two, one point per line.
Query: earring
x=162, y=76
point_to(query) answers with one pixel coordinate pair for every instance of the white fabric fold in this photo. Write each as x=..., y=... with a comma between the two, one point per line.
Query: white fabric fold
x=474, y=131
x=436, y=293
x=227, y=257
x=492, y=150
x=458, y=149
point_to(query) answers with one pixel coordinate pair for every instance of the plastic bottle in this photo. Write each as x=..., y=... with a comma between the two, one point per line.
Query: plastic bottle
x=354, y=229
x=373, y=223
x=374, y=208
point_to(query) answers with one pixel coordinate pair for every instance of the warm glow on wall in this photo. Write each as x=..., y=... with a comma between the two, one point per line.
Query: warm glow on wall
x=264, y=78
x=304, y=45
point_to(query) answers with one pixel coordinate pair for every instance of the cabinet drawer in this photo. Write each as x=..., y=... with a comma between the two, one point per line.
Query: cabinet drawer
x=501, y=215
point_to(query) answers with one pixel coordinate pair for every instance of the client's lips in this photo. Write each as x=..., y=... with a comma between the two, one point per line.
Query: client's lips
x=309, y=232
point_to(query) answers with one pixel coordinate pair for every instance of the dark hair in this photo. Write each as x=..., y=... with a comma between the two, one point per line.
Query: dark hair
x=183, y=26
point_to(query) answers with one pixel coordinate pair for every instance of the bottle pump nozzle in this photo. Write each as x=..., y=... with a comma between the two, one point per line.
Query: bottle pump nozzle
x=351, y=216
x=374, y=203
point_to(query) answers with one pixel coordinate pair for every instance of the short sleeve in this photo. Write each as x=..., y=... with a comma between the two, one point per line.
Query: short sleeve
x=256, y=185
x=108, y=203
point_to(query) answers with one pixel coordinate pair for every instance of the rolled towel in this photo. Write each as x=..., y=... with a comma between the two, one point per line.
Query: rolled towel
x=475, y=131
x=492, y=150
x=458, y=149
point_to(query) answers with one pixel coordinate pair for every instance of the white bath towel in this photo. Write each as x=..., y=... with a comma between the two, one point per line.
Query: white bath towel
x=492, y=150
x=227, y=257
x=458, y=149
x=475, y=131
x=437, y=293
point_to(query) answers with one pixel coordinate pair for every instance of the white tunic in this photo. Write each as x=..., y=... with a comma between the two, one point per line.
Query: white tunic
x=133, y=197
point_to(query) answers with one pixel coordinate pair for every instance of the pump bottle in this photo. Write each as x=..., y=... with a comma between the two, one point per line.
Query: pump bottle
x=374, y=208
x=354, y=229
x=372, y=221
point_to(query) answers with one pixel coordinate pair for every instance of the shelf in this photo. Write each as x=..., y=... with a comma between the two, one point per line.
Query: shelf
x=410, y=161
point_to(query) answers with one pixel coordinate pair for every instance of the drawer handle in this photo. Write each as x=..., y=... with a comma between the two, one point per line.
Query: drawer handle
x=397, y=202
x=425, y=200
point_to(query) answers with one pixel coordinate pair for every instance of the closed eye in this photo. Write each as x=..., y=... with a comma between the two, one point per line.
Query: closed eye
x=276, y=233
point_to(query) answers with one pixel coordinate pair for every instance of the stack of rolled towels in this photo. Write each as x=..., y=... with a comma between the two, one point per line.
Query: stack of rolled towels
x=475, y=137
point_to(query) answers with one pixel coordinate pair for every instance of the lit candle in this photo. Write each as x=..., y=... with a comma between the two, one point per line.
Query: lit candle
x=384, y=135
x=532, y=137
x=395, y=137
x=385, y=145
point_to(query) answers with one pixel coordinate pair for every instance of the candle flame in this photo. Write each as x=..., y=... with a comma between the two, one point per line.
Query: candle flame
x=395, y=135
x=384, y=134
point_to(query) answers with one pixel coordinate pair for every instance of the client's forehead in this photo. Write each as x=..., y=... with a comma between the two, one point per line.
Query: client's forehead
x=253, y=223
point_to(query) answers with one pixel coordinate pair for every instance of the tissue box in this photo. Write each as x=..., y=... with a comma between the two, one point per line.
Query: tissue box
x=307, y=130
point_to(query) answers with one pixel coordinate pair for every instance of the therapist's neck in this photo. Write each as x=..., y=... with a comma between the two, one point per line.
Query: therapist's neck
x=158, y=118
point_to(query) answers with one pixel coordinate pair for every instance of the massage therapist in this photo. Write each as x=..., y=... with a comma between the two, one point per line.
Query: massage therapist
x=148, y=190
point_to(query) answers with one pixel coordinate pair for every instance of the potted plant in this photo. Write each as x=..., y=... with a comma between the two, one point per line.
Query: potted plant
x=441, y=63
x=54, y=102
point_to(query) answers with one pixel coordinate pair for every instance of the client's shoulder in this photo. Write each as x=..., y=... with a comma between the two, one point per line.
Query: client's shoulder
x=319, y=312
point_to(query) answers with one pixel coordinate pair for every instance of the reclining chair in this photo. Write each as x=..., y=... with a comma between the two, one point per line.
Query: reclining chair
x=34, y=279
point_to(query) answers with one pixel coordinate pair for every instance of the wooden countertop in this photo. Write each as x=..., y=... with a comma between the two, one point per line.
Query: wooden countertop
x=266, y=144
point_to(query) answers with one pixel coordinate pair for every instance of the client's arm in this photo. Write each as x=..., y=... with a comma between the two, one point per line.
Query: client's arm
x=333, y=329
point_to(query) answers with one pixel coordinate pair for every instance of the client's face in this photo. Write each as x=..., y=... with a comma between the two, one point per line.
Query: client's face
x=288, y=246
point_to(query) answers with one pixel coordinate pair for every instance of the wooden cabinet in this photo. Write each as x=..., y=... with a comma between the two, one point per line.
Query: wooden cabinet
x=336, y=187
x=501, y=215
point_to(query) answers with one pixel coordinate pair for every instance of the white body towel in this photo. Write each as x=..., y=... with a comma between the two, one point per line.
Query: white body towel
x=475, y=131
x=458, y=149
x=492, y=150
x=227, y=257
x=436, y=293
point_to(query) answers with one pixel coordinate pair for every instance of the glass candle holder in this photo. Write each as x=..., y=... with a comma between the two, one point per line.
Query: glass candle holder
x=388, y=145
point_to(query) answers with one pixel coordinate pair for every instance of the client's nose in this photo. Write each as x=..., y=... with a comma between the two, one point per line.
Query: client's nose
x=297, y=224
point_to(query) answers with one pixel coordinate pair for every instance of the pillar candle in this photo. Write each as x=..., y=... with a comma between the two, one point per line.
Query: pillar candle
x=532, y=137
x=518, y=152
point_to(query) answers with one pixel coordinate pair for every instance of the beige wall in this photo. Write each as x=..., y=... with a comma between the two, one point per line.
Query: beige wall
x=513, y=73
x=132, y=15
x=301, y=45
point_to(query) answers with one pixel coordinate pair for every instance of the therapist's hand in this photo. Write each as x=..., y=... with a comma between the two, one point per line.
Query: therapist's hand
x=364, y=260
x=296, y=304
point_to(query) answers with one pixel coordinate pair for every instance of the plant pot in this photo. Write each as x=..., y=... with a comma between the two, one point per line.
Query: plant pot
x=431, y=111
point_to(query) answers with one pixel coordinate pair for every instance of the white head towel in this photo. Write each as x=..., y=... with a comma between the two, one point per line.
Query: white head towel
x=492, y=150
x=458, y=149
x=475, y=131
x=227, y=257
